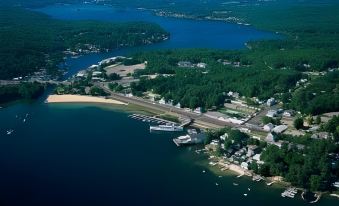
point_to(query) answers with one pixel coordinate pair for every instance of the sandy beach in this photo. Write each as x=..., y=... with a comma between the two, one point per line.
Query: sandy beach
x=80, y=99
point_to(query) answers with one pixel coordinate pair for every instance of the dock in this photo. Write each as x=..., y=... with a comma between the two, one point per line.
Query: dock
x=289, y=192
x=150, y=119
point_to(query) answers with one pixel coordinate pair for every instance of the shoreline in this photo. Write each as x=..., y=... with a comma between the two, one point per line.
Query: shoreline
x=81, y=99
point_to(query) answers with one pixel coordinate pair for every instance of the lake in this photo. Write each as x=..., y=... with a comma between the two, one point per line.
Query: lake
x=185, y=33
x=82, y=154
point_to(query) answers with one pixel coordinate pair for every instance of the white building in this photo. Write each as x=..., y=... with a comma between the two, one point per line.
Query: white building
x=271, y=102
x=162, y=101
x=202, y=65
x=280, y=129
x=271, y=113
x=224, y=137
x=268, y=127
x=244, y=165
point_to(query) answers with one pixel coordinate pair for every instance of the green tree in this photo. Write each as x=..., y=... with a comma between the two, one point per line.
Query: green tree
x=315, y=182
x=298, y=123
x=318, y=120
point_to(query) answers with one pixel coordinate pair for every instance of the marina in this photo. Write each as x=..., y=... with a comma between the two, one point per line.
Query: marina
x=289, y=192
x=192, y=137
x=150, y=119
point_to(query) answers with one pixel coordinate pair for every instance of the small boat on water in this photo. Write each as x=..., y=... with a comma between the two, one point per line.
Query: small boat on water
x=216, y=184
x=203, y=171
x=245, y=194
x=9, y=132
x=249, y=189
x=24, y=120
x=235, y=184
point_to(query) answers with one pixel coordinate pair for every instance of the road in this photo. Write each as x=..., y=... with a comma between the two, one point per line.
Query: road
x=199, y=119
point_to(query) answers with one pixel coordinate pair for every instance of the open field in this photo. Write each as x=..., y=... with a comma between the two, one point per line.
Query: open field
x=123, y=70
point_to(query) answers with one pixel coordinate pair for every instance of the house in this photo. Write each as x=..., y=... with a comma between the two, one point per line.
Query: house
x=233, y=94
x=244, y=165
x=224, y=137
x=252, y=150
x=257, y=158
x=185, y=64
x=289, y=113
x=245, y=130
x=162, y=101
x=268, y=127
x=270, y=137
x=321, y=135
x=96, y=73
x=280, y=129
x=271, y=101
x=81, y=74
x=198, y=110
x=215, y=142
x=271, y=113
x=202, y=65
x=178, y=105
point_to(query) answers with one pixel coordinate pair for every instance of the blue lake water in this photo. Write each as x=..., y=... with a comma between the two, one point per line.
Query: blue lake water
x=185, y=33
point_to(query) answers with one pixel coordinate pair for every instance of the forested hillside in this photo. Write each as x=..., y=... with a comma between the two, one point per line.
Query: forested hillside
x=31, y=41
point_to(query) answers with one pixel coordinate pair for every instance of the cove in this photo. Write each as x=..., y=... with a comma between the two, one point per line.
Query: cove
x=185, y=33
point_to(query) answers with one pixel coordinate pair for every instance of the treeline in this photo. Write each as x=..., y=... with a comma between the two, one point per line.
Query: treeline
x=31, y=41
x=310, y=168
x=314, y=166
x=20, y=91
x=206, y=87
x=321, y=96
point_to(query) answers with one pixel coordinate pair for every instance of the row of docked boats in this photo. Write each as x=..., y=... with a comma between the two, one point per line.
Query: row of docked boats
x=289, y=192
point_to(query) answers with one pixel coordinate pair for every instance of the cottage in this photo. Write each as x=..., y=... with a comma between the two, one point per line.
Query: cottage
x=270, y=102
x=162, y=101
x=280, y=129
x=271, y=113
x=202, y=65
x=198, y=110
x=244, y=165
x=320, y=135
x=215, y=142
x=185, y=64
x=257, y=158
x=289, y=113
x=224, y=137
x=270, y=137
x=252, y=150
x=96, y=73
x=268, y=127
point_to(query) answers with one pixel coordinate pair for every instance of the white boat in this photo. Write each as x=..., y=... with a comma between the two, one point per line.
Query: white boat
x=167, y=128
x=245, y=194
x=9, y=132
